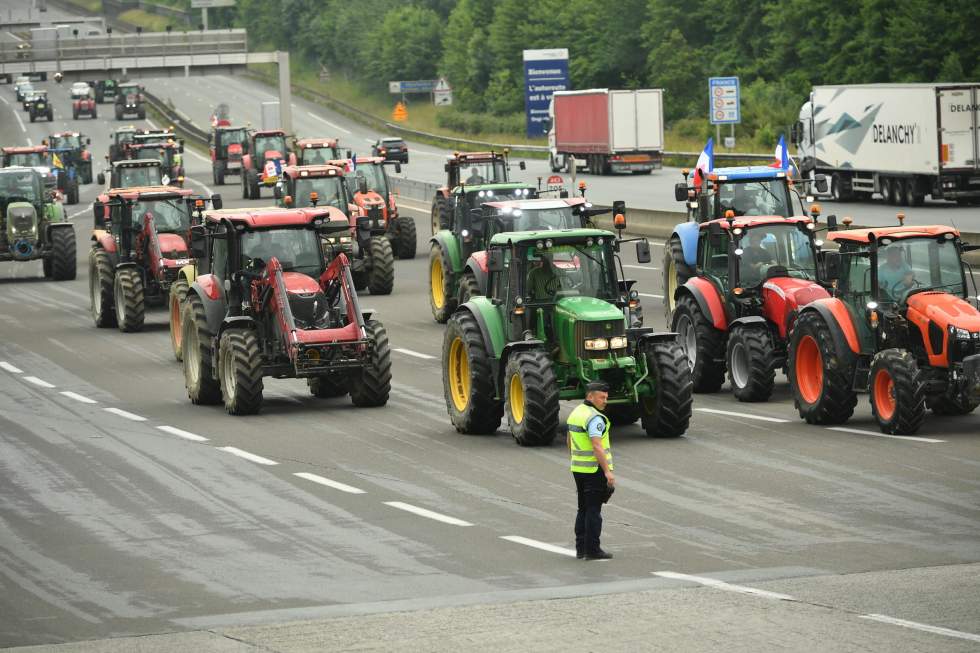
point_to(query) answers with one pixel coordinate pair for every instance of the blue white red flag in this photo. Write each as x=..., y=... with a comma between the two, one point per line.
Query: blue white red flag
x=705, y=164
x=781, y=156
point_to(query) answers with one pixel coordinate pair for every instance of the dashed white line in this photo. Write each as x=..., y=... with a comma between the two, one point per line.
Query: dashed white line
x=731, y=413
x=79, y=212
x=343, y=487
x=844, y=429
x=544, y=546
x=415, y=354
x=639, y=267
x=20, y=122
x=422, y=512
x=938, y=630
x=125, y=414
x=78, y=397
x=646, y=294
x=722, y=585
x=206, y=188
x=11, y=368
x=327, y=122
x=180, y=433
x=38, y=382
x=241, y=453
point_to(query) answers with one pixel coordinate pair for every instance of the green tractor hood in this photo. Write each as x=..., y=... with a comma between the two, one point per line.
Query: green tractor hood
x=588, y=309
x=578, y=318
x=21, y=221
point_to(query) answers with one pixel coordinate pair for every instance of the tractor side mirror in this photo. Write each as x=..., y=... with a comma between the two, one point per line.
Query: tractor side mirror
x=88, y=141
x=445, y=167
x=100, y=178
x=198, y=242
x=680, y=192
x=349, y=154
x=495, y=261
x=522, y=165
x=714, y=230
x=216, y=202
x=362, y=185
x=643, y=251
x=831, y=223
x=820, y=183
x=794, y=134
x=398, y=168
x=831, y=265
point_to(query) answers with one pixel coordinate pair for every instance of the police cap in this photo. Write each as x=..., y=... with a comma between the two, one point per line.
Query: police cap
x=597, y=386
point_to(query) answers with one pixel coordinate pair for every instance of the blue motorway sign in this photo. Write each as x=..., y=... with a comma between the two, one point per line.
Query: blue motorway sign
x=545, y=71
x=723, y=101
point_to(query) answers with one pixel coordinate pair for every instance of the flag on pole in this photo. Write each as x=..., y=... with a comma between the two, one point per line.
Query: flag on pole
x=705, y=164
x=56, y=162
x=781, y=156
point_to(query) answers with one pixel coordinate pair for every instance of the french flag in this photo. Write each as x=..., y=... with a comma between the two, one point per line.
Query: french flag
x=781, y=156
x=705, y=164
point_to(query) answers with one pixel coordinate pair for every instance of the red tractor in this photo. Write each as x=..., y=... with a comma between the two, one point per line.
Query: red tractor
x=369, y=188
x=902, y=326
x=311, y=151
x=228, y=145
x=271, y=305
x=138, y=255
x=263, y=162
x=84, y=106
x=470, y=168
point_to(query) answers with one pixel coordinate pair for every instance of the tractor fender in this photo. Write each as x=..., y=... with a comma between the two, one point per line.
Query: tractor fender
x=450, y=246
x=208, y=290
x=56, y=213
x=129, y=265
x=491, y=324
x=657, y=336
x=476, y=265
x=104, y=240
x=838, y=319
x=59, y=225
x=757, y=320
x=235, y=321
x=687, y=233
x=247, y=162
x=708, y=299
x=188, y=273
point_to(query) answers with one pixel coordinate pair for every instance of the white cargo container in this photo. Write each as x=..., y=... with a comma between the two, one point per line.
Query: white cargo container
x=903, y=141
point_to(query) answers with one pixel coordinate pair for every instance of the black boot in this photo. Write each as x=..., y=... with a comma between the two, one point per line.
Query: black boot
x=599, y=554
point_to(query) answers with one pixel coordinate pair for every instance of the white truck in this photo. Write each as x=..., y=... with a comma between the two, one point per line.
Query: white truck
x=607, y=131
x=903, y=141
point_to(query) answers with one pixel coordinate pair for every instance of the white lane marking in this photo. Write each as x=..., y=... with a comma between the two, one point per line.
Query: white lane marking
x=206, y=188
x=30, y=143
x=343, y=487
x=38, y=382
x=422, y=512
x=937, y=630
x=126, y=414
x=370, y=140
x=78, y=397
x=646, y=294
x=409, y=352
x=639, y=267
x=327, y=122
x=722, y=585
x=188, y=150
x=844, y=429
x=20, y=122
x=241, y=453
x=544, y=546
x=731, y=413
x=10, y=368
x=180, y=433
x=152, y=124
x=79, y=212
x=4, y=100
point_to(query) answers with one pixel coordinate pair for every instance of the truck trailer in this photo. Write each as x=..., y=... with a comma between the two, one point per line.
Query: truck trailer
x=902, y=141
x=607, y=131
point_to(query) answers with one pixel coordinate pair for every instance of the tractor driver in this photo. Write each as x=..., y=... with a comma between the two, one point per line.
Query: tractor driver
x=755, y=260
x=475, y=178
x=895, y=275
x=542, y=280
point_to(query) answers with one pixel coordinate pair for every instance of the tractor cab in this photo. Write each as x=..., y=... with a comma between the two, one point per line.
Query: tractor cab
x=167, y=154
x=745, y=191
x=312, y=151
x=27, y=157
x=268, y=146
x=477, y=168
x=119, y=140
x=311, y=186
x=134, y=172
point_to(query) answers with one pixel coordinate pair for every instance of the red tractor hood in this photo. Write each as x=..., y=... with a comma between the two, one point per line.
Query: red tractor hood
x=782, y=298
x=272, y=155
x=171, y=244
x=369, y=198
x=946, y=310
x=235, y=151
x=298, y=283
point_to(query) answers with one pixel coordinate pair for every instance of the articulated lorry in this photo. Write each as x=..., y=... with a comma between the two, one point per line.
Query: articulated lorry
x=607, y=131
x=903, y=141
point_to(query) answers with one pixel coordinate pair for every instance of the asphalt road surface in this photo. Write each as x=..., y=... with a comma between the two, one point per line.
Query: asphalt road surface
x=131, y=518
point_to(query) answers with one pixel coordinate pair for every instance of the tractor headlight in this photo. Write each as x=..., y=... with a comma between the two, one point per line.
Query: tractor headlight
x=617, y=342
x=596, y=344
x=958, y=333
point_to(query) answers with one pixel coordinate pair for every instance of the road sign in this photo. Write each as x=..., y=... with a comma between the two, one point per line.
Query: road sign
x=210, y=4
x=413, y=86
x=442, y=94
x=545, y=71
x=555, y=180
x=400, y=114
x=723, y=101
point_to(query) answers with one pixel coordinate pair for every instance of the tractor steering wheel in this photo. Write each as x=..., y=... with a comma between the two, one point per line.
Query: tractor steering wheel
x=902, y=292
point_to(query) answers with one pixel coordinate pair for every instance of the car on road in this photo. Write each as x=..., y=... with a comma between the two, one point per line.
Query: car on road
x=391, y=149
x=22, y=86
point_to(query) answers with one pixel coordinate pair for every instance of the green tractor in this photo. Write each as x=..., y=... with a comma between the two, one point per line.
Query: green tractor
x=33, y=225
x=554, y=318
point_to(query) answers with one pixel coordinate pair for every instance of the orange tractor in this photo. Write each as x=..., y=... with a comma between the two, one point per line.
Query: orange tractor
x=370, y=188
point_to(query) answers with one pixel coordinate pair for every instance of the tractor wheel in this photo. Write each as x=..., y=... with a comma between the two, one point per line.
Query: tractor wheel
x=531, y=398
x=71, y=193
x=178, y=293
x=100, y=283
x=244, y=185
x=95, y=113
x=254, y=191
x=202, y=387
x=130, y=302
x=949, y=403
x=381, y=274
x=86, y=172
x=468, y=287
x=897, y=392
x=703, y=343
x=676, y=272
x=821, y=382
x=372, y=386
x=63, y=257
x=667, y=412
x=327, y=386
x=440, y=214
x=32, y=116
x=622, y=414
x=46, y=266
x=359, y=278
x=442, y=294
x=750, y=362
x=405, y=239
x=240, y=371
x=467, y=378
x=219, y=176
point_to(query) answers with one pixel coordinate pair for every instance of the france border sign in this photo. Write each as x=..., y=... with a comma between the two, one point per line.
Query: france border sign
x=545, y=71
x=723, y=101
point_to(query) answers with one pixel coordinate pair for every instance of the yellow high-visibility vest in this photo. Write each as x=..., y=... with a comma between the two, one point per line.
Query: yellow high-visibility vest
x=582, y=454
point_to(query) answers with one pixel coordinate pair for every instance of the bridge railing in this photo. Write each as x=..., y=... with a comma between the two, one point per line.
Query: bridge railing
x=226, y=41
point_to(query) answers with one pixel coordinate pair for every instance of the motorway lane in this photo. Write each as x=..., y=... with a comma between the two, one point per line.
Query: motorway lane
x=113, y=526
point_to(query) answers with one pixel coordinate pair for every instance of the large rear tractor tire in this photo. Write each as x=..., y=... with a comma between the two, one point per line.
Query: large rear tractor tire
x=254, y=190
x=381, y=274
x=100, y=283
x=622, y=414
x=703, y=344
x=405, y=241
x=178, y=293
x=467, y=379
x=240, y=371
x=329, y=386
x=751, y=363
x=199, y=376
x=667, y=413
x=440, y=214
x=821, y=381
x=63, y=254
x=531, y=398
x=897, y=392
x=372, y=386
x=442, y=294
x=130, y=300
x=468, y=287
x=951, y=404
x=676, y=273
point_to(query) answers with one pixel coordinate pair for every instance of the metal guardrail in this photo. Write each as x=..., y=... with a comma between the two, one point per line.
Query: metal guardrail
x=126, y=45
x=185, y=127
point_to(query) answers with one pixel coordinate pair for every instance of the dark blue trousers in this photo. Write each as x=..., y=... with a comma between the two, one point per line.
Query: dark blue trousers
x=591, y=490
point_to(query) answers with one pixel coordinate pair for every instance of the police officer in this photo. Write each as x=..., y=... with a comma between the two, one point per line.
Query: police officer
x=592, y=467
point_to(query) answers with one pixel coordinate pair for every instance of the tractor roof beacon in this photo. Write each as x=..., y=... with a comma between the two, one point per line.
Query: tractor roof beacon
x=472, y=169
x=900, y=326
x=267, y=304
x=552, y=321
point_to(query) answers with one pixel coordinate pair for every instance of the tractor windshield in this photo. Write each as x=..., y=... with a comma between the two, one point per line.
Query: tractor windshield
x=228, y=136
x=767, y=247
x=913, y=265
x=569, y=271
x=329, y=190
x=129, y=89
x=124, y=137
x=169, y=216
x=552, y=218
x=316, y=155
x=487, y=172
x=22, y=183
x=298, y=250
x=140, y=176
x=763, y=197
x=26, y=159
x=377, y=180
x=164, y=155
x=265, y=144
x=66, y=142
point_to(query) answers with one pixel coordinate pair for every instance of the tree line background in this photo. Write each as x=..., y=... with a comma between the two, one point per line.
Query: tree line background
x=779, y=48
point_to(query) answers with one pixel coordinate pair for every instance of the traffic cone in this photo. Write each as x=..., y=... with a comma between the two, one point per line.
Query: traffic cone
x=400, y=114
